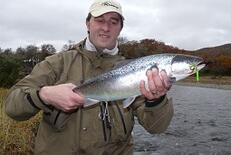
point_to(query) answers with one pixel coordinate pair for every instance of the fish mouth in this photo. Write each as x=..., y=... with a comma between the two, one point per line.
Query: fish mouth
x=201, y=65
x=197, y=67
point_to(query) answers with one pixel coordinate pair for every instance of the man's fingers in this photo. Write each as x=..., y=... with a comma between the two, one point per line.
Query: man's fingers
x=165, y=80
x=157, y=80
x=145, y=92
x=151, y=83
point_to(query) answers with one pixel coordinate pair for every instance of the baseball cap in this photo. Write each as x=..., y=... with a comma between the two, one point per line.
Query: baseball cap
x=100, y=7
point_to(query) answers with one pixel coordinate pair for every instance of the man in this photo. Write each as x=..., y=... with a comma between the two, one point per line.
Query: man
x=104, y=128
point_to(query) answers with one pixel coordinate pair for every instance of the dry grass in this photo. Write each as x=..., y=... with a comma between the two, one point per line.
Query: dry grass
x=16, y=137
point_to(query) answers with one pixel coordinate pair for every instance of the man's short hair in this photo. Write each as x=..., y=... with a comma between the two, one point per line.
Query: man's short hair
x=121, y=19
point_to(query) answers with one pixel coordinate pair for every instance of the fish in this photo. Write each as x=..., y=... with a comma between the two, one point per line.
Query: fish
x=123, y=82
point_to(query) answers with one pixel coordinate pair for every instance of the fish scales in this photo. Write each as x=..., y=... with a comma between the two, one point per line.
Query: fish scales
x=120, y=82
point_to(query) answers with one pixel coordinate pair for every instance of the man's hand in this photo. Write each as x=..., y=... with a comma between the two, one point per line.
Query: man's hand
x=158, y=84
x=61, y=97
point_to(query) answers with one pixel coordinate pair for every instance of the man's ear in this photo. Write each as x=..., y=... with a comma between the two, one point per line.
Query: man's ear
x=88, y=25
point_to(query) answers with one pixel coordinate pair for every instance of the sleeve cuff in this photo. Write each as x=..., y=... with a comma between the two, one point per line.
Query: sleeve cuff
x=37, y=102
x=150, y=103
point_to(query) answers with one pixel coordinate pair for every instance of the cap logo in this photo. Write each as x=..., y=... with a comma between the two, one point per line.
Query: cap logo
x=109, y=4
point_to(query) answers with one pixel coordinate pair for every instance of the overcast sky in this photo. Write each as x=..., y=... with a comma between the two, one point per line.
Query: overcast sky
x=186, y=24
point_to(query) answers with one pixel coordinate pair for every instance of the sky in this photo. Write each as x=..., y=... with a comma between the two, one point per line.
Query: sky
x=186, y=24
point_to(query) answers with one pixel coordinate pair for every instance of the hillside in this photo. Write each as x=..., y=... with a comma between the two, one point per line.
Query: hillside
x=217, y=50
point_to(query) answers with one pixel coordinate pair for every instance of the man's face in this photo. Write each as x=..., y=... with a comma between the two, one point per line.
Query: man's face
x=104, y=30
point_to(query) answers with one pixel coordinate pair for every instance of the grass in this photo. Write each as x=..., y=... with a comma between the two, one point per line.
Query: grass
x=16, y=137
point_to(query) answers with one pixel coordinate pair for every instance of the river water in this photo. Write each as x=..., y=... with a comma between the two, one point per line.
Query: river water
x=201, y=125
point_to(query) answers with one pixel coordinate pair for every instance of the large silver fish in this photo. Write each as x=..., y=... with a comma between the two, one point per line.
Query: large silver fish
x=123, y=82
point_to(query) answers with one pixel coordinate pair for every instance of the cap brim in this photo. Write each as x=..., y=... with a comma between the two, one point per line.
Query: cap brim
x=97, y=13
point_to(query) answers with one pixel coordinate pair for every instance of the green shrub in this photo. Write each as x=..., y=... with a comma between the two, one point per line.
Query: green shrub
x=9, y=71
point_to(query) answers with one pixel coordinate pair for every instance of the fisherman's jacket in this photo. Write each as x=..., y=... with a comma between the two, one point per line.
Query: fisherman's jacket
x=100, y=129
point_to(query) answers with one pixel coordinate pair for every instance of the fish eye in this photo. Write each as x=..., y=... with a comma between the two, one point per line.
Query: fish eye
x=192, y=67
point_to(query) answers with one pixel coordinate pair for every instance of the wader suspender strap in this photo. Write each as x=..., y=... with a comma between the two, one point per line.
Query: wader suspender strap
x=106, y=120
x=103, y=122
x=122, y=118
x=104, y=115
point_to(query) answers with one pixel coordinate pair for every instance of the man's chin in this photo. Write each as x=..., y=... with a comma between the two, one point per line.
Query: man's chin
x=103, y=46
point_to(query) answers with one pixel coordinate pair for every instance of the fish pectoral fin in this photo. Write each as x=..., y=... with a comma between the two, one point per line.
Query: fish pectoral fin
x=89, y=102
x=128, y=101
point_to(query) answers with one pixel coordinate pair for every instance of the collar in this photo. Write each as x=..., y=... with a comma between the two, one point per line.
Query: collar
x=90, y=47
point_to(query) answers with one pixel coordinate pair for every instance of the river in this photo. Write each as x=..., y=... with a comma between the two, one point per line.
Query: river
x=201, y=125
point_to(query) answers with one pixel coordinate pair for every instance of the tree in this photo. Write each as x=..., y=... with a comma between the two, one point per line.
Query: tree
x=20, y=51
x=9, y=69
x=69, y=46
x=31, y=55
x=122, y=40
x=7, y=52
x=48, y=49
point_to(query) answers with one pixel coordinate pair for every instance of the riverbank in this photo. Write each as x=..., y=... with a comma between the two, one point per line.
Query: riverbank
x=205, y=85
x=222, y=82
